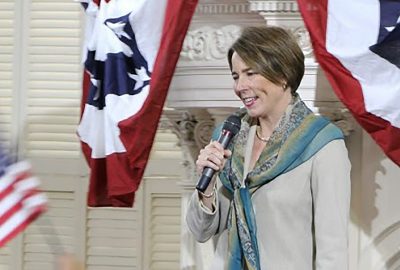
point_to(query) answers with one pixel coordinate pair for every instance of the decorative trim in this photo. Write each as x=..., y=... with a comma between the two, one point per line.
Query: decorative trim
x=218, y=8
x=182, y=124
x=274, y=6
x=272, y=10
x=207, y=43
x=165, y=123
x=194, y=132
x=341, y=118
x=203, y=132
x=185, y=127
x=303, y=39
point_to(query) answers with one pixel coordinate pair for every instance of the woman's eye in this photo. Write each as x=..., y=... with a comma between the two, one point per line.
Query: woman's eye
x=251, y=73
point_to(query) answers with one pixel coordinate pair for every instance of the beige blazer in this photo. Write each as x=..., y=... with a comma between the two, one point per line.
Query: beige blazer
x=301, y=216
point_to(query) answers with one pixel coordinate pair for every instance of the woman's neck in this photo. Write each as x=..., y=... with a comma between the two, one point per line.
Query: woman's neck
x=270, y=122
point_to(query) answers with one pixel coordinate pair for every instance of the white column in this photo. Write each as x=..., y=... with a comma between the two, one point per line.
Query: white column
x=194, y=130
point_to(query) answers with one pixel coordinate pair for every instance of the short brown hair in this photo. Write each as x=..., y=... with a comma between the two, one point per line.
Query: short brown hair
x=271, y=51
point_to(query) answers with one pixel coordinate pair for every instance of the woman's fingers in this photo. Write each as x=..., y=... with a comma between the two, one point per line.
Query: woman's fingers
x=212, y=156
x=227, y=153
x=208, y=160
x=215, y=160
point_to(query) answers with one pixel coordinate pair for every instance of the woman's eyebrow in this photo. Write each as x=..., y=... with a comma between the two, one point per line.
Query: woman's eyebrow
x=242, y=71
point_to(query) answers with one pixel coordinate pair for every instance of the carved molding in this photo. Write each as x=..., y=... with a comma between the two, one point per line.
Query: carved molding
x=222, y=8
x=194, y=132
x=303, y=39
x=285, y=14
x=274, y=6
x=202, y=132
x=192, y=129
x=207, y=43
x=341, y=118
x=185, y=127
x=165, y=123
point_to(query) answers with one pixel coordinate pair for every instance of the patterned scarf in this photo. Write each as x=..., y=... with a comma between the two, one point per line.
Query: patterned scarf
x=298, y=136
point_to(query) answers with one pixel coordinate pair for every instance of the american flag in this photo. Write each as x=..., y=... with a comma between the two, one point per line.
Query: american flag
x=131, y=49
x=21, y=201
x=357, y=43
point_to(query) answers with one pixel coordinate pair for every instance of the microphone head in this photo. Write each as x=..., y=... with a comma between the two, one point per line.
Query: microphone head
x=232, y=124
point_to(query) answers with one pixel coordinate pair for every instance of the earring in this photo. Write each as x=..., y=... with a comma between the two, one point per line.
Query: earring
x=284, y=86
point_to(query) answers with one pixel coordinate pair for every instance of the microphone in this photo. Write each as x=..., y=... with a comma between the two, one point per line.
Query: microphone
x=229, y=129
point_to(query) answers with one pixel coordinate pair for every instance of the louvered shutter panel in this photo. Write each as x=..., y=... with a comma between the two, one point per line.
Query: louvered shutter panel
x=7, y=15
x=114, y=237
x=52, y=66
x=54, y=79
x=165, y=231
x=51, y=233
x=120, y=239
x=163, y=202
x=61, y=229
x=5, y=258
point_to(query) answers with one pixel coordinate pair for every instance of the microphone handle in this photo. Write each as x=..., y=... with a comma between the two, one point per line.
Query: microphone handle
x=208, y=172
x=225, y=138
x=205, y=179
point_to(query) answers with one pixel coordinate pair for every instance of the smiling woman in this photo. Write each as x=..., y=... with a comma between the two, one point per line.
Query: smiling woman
x=274, y=53
x=262, y=98
x=281, y=204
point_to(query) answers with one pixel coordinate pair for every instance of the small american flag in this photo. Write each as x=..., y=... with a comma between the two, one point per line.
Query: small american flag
x=21, y=202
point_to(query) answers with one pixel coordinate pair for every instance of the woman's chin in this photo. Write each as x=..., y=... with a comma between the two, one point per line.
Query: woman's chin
x=252, y=113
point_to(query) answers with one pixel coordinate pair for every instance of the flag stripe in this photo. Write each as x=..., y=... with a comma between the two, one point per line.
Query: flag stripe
x=20, y=220
x=8, y=179
x=347, y=88
x=20, y=200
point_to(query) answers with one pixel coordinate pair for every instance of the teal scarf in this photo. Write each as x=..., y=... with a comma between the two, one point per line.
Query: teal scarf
x=298, y=136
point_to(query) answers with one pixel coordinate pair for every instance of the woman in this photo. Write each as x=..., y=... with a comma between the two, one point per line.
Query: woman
x=285, y=194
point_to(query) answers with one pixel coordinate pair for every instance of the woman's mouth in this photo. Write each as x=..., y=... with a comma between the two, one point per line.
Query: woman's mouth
x=249, y=101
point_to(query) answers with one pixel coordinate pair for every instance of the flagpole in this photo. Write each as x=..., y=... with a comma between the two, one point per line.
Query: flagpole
x=63, y=259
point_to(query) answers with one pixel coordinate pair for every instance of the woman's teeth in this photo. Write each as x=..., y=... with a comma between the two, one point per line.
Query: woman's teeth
x=248, y=100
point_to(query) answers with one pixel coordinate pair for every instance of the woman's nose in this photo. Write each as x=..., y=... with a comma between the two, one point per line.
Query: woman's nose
x=241, y=84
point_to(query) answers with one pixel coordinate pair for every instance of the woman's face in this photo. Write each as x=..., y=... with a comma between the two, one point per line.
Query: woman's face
x=261, y=97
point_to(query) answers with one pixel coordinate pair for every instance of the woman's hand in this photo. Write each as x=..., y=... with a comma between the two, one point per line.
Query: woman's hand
x=213, y=156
